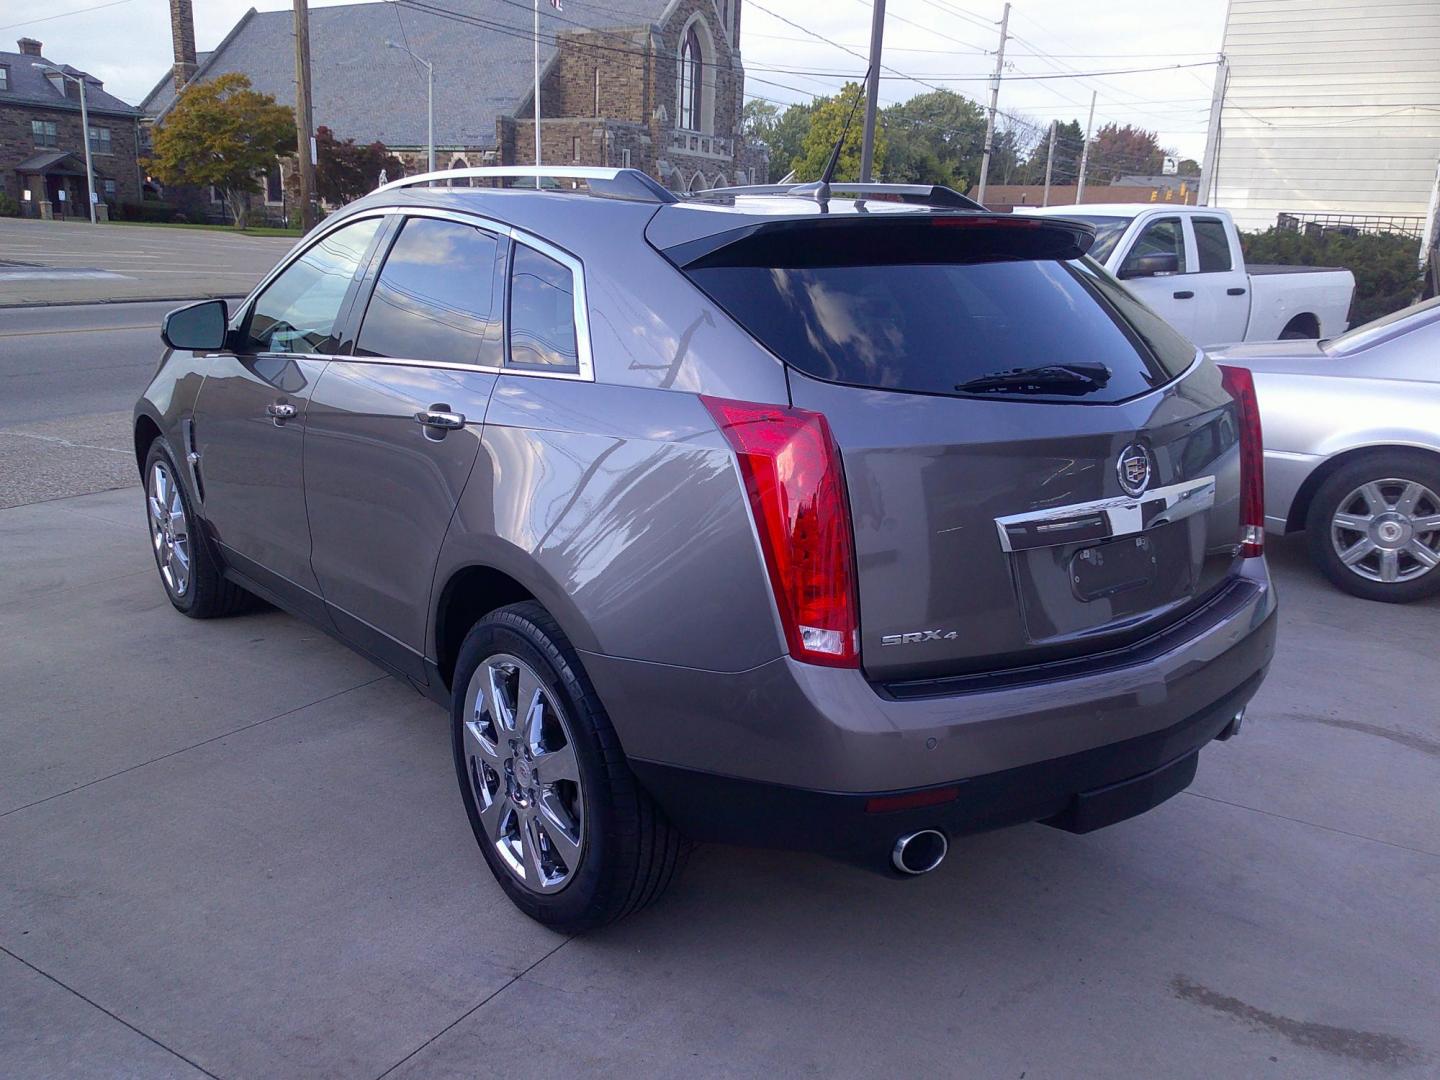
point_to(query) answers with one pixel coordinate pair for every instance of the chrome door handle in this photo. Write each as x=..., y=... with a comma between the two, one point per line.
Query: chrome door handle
x=281, y=410
x=437, y=418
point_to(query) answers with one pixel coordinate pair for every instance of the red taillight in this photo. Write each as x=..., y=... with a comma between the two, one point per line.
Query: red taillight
x=1241, y=385
x=791, y=469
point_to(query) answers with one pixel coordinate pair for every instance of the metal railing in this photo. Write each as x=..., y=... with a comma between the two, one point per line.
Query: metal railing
x=607, y=183
x=924, y=194
x=1350, y=224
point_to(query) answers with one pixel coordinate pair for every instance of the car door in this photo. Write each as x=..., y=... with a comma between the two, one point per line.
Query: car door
x=249, y=417
x=393, y=428
x=1164, y=289
x=1222, y=288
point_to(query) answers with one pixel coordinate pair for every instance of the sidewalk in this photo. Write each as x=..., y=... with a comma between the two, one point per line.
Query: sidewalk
x=55, y=262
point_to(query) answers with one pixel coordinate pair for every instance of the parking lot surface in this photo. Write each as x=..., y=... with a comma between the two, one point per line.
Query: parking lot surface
x=234, y=848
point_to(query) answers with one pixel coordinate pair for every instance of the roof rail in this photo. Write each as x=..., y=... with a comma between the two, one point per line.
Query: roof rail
x=927, y=194
x=606, y=183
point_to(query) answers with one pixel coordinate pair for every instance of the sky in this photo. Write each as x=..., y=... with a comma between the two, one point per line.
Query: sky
x=1084, y=47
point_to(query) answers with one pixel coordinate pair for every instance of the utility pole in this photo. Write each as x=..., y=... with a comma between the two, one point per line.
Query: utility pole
x=1212, y=133
x=994, y=102
x=1049, y=163
x=872, y=92
x=1085, y=153
x=304, y=125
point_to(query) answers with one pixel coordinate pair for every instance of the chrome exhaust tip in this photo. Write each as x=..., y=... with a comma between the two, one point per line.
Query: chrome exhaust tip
x=1233, y=728
x=919, y=852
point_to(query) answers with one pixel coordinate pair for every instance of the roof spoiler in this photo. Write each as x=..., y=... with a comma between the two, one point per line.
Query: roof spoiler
x=630, y=184
x=922, y=194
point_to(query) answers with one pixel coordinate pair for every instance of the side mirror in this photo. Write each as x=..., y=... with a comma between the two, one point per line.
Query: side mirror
x=199, y=327
x=1151, y=265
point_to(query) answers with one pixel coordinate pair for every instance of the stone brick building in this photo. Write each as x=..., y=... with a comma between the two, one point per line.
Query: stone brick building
x=655, y=85
x=42, y=147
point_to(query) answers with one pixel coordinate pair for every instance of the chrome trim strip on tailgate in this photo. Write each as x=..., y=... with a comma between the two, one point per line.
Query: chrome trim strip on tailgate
x=1105, y=518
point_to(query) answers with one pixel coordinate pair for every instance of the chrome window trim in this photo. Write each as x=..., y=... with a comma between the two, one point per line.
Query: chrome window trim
x=586, y=368
x=1121, y=515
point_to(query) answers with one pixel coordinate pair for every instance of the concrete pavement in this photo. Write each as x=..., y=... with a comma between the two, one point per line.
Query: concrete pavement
x=53, y=262
x=233, y=848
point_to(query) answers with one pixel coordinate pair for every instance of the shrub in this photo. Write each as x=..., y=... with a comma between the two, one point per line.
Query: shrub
x=149, y=210
x=8, y=206
x=1386, y=265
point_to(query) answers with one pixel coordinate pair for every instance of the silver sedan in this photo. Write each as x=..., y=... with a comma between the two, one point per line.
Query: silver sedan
x=1352, y=449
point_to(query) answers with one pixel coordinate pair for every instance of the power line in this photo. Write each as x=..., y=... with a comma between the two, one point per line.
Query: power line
x=63, y=14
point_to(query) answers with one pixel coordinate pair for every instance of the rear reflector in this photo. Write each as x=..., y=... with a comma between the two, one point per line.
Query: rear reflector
x=1241, y=386
x=911, y=800
x=791, y=469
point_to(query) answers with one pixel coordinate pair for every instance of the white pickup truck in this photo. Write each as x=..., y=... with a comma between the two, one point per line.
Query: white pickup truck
x=1186, y=263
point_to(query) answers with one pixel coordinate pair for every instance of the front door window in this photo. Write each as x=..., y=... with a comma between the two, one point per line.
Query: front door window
x=298, y=311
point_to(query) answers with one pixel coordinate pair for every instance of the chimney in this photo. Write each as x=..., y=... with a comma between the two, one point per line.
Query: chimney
x=29, y=46
x=182, y=31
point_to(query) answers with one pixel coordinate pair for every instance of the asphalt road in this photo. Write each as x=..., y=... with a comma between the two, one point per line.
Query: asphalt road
x=233, y=848
x=69, y=377
x=50, y=262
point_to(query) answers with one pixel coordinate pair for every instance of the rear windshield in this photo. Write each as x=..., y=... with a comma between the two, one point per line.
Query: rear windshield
x=1108, y=230
x=931, y=328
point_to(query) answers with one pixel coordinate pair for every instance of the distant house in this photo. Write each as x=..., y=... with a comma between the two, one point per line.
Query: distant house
x=1008, y=196
x=652, y=84
x=42, y=149
x=1330, y=113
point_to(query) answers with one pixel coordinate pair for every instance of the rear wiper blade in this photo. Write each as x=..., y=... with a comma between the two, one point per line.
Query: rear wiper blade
x=1077, y=378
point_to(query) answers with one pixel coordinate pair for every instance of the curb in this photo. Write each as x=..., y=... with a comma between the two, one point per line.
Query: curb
x=32, y=304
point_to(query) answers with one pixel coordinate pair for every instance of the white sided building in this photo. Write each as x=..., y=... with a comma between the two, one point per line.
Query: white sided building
x=1330, y=112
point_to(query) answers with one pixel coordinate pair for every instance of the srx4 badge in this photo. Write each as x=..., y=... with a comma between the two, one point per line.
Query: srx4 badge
x=916, y=637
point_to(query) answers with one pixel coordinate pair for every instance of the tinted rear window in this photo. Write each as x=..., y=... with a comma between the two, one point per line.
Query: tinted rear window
x=928, y=328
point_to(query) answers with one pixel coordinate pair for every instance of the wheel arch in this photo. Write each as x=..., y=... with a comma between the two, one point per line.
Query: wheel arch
x=1300, y=506
x=147, y=430
x=1306, y=324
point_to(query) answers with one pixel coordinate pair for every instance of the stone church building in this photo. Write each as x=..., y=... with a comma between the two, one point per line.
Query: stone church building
x=656, y=85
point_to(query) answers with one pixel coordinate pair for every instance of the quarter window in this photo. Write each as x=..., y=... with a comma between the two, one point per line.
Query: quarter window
x=1212, y=246
x=542, y=312
x=298, y=311
x=45, y=132
x=434, y=299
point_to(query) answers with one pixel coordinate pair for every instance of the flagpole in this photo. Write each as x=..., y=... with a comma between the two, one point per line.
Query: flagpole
x=537, y=91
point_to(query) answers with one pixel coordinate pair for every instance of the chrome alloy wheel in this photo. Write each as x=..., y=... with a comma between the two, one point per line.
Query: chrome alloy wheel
x=1388, y=530
x=523, y=773
x=169, y=530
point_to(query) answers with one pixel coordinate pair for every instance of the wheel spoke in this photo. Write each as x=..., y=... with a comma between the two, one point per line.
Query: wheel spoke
x=493, y=816
x=557, y=833
x=1357, y=551
x=500, y=707
x=530, y=834
x=1422, y=554
x=475, y=743
x=1353, y=522
x=157, y=510
x=558, y=764
x=529, y=708
x=1426, y=524
x=1389, y=565
x=162, y=486
x=1408, y=498
x=1374, y=498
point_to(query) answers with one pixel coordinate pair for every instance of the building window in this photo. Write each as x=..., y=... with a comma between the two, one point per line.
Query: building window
x=4, y=77
x=691, y=71
x=625, y=158
x=274, y=190
x=109, y=187
x=45, y=132
x=99, y=140
x=215, y=195
x=574, y=147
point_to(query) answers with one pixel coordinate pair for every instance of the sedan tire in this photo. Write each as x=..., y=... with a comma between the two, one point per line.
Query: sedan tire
x=1374, y=526
x=567, y=831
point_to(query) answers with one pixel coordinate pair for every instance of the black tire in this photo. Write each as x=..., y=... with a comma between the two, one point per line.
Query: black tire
x=207, y=594
x=1379, y=465
x=631, y=852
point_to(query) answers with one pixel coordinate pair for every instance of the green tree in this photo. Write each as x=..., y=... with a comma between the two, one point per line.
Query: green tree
x=1117, y=150
x=934, y=138
x=1069, y=141
x=1386, y=265
x=824, y=132
x=1189, y=167
x=223, y=134
x=344, y=171
x=780, y=131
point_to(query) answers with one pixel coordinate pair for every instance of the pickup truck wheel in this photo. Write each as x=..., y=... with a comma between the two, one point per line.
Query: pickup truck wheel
x=1301, y=328
x=1374, y=526
x=566, y=830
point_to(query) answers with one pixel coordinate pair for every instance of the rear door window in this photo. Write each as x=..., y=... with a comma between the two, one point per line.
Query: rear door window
x=435, y=296
x=1212, y=245
x=542, y=312
x=929, y=328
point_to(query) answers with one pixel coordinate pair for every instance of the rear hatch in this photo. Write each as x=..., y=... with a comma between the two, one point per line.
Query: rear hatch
x=1038, y=468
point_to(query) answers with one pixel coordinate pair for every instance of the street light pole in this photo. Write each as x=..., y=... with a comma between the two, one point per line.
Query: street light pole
x=84, y=133
x=429, y=100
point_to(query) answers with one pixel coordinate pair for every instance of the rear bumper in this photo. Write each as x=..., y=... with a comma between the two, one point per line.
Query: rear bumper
x=1079, y=793
x=828, y=730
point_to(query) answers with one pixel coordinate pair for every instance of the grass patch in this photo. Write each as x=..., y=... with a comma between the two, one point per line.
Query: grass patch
x=257, y=230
